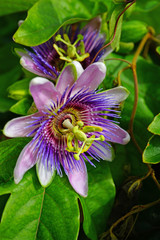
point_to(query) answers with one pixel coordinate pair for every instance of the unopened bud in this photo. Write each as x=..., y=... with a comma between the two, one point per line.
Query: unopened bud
x=133, y=31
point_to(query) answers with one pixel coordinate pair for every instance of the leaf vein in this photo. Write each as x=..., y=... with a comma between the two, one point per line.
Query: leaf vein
x=40, y=214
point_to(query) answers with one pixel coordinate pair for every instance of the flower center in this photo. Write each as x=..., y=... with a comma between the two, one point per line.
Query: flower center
x=72, y=52
x=77, y=140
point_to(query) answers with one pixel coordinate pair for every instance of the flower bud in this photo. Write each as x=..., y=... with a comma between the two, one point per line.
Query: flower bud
x=133, y=31
x=125, y=47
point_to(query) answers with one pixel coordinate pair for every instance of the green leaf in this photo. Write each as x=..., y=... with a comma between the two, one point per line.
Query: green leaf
x=150, y=17
x=19, y=89
x=9, y=6
x=4, y=118
x=7, y=79
x=33, y=212
x=5, y=104
x=158, y=50
x=154, y=127
x=3, y=200
x=97, y=206
x=147, y=5
x=8, y=60
x=51, y=213
x=151, y=153
x=9, y=152
x=127, y=162
x=117, y=10
x=149, y=94
x=150, y=218
x=148, y=101
x=22, y=106
x=46, y=17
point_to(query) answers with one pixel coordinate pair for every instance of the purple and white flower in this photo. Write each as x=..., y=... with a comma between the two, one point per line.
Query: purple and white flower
x=68, y=44
x=74, y=124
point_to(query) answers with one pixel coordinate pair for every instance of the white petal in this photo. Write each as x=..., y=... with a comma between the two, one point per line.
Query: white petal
x=79, y=68
x=45, y=174
x=118, y=94
x=26, y=160
x=17, y=127
x=108, y=50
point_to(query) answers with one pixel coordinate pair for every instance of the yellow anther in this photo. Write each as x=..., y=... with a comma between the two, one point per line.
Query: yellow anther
x=76, y=146
x=70, y=147
x=58, y=37
x=79, y=38
x=76, y=156
x=67, y=59
x=81, y=47
x=81, y=136
x=80, y=124
x=92, y=129
x=80, y=58
x=75, y=129
x=102, y=138
x=66, y=38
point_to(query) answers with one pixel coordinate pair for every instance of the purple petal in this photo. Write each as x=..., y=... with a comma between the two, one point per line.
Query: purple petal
x=26, y=160
x=93, y=25
x=45, y=173
x=17, y=127
x=91, y=77
x=118, y=94
x=30, y=66
x=103, y=151
x=67, y=78
x=79, y=179
x=43, y=92
x=116, y=134
x=107, y=51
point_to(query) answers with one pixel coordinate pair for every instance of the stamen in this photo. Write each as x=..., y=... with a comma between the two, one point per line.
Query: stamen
x=78, y=134
x=72, y=51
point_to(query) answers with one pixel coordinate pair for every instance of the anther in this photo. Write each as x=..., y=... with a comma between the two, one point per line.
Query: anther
x=76, y=156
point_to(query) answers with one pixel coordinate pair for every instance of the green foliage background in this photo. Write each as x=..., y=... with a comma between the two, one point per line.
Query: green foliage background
x=27, y=210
